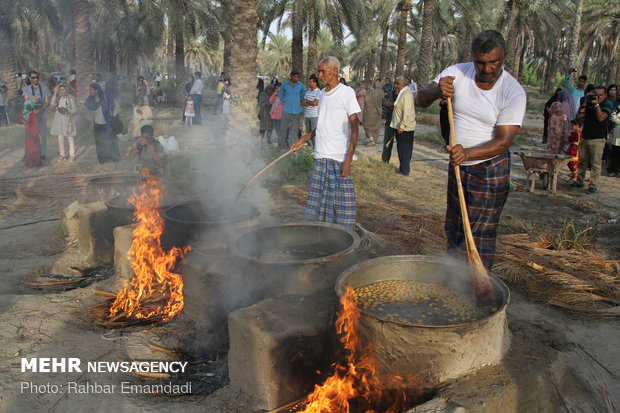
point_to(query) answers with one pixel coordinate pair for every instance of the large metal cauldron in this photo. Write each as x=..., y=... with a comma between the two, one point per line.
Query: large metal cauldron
x=435, y=353
x=121, y=212
x=298, y=258
x=205, y=226
x=106, y=186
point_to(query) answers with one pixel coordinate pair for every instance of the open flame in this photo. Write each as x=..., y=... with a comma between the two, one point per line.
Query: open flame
x=358, y=381
x=155, y=290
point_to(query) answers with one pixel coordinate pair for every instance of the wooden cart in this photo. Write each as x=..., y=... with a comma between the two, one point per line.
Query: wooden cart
x=543, y=163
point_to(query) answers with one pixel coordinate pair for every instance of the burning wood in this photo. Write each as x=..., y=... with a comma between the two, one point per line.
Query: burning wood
x=358, y=381
x=156, y=291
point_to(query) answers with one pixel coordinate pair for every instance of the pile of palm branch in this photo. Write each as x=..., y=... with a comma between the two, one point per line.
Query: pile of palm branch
x=579, y=280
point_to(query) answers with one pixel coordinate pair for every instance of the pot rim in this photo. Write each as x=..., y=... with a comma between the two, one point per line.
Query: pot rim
x=499, y=284
x=354, y=245
x=93, y=178
x=254, y=212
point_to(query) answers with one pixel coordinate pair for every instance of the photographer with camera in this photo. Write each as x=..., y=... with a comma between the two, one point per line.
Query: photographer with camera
x=149, y=152
x=578, y=91
x=596, y=110
x=40, y=95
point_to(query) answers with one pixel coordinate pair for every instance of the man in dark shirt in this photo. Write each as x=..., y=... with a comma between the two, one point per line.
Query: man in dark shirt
x=596, y=111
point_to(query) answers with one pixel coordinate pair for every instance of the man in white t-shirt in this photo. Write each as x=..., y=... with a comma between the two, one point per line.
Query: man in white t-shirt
x=331, y=196
x=311, y=103
x=196, y=94
x=489, y=106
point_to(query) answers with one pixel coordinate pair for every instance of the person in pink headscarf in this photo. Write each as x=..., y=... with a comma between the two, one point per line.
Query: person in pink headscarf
x=557, y=129
x=568, y=104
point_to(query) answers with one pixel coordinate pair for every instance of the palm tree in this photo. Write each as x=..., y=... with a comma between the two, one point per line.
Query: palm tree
x=574, y=41
x=7, y=49
x=243, y=66
x=425, y=54
x=83, y=51
x=402, y=37
x=277, y=56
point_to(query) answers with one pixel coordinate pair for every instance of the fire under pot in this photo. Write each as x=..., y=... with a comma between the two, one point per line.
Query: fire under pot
x=420, y=316
x=295, y=258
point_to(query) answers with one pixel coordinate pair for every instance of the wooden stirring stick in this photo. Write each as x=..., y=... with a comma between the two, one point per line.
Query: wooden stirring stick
x=261, y=172
x=483, y=288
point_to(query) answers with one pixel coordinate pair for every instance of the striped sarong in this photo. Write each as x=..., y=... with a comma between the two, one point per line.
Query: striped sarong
x=331, y=196
x=486, y=186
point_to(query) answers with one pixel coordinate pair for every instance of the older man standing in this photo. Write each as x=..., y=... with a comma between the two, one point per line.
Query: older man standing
x=403, y=123
x=291, y=93
x=489, y=107
x=331, y=196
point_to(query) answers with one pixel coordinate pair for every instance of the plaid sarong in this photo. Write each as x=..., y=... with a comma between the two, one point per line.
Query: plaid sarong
x=486, y=186
x=331, y=196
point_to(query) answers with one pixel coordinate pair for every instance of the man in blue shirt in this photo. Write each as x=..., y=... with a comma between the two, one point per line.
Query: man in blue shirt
x=578, y=91
x=291, y=93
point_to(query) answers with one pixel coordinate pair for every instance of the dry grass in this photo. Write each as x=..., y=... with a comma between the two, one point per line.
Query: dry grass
x=578, y=280
x=427, y=119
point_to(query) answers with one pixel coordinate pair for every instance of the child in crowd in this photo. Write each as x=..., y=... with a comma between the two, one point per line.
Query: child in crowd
x=189, y=110
x=572, y=148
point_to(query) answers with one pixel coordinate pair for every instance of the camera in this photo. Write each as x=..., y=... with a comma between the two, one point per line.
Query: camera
x=591, y=100
x=139, y=146
x=573, y=70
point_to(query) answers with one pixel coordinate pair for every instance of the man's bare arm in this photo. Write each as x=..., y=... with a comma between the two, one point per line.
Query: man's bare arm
x=444, y=89
x=346, y=166
x=504, y=135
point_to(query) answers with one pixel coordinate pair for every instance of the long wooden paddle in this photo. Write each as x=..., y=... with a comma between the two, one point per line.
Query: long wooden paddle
x=483, y=288
x=261, y=172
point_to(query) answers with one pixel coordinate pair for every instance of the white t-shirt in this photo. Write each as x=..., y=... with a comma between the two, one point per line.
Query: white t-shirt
x=477, y=112
x=311, y=95
x=333, y=129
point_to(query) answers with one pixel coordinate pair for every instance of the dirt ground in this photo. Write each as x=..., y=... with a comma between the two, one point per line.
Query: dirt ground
x=575, y=358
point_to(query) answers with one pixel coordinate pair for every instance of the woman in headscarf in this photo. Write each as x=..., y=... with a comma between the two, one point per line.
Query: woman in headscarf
x=264, y=107
x=64, y=123
x=104, y=107
x=557, y=130
x=360, y=95
x=33, y=137
x=568, y=105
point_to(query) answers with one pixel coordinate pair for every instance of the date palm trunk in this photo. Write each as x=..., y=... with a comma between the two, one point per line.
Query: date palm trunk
x=7, y=50
x=402, y=39
x=573, y=58
x=243, y=68
x=297, y=42
x=83, y=51
x=612, y=70
x=425, y=52
x=512, y=41
x=383, y=55
x=312, y=60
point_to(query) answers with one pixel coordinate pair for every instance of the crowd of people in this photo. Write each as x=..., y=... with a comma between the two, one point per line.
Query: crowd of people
x=583, y=121
x=580, y=120
x=291, y=109
x=41, y=93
